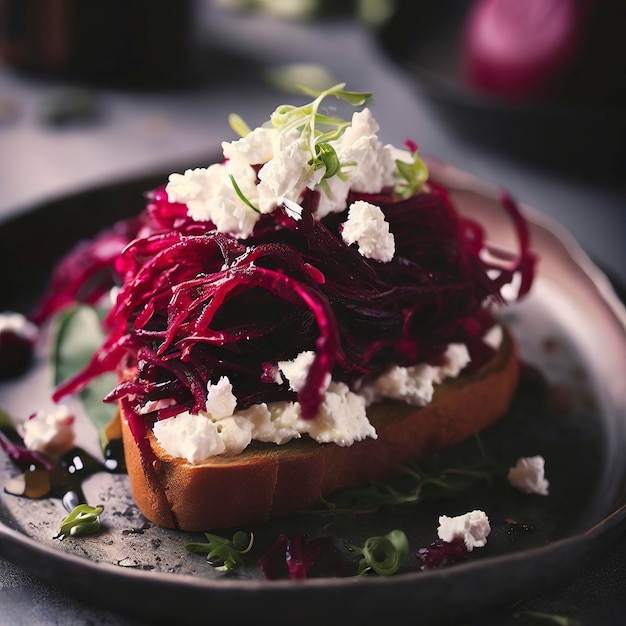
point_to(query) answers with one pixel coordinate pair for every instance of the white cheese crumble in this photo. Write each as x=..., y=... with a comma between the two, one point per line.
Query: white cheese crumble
x=493, y=337
x=366, y=226
x=415, y=384
x=221, y=400
x=473, y=528
x=276, y=163
x=342, y=417
x=296, y=370
x=528, y=476
x=19, y=325
x=51, y=433
x=189, y=436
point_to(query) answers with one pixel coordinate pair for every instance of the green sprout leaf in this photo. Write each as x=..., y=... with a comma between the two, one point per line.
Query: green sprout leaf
x=382, y=555
x=238, y=125
x=425, y=482
x=77, y=336
x=327, y=155
x=224, y=554
x=316, y=129
x=414, y=175
x=354, y=98
x=241, y=195
x=83, y=520
x=308, y=119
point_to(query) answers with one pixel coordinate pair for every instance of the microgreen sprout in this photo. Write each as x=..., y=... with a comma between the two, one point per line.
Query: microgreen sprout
x=428, y=482
x=538, y=618
x=83, y=520
x=382, y=555
x=241, y=195
x=224, y=554
x=237, y=123
x=413, y=174
x=308, y=119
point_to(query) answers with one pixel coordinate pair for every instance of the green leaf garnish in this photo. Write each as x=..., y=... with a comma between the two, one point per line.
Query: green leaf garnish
x=354, y=98
x=414, y=175
x=310, y=122
x=83, y=520
x=224, y=554
x=241, y=195
x=78, y=334
x=382, y=555
x=327, y=155
x=238, y=125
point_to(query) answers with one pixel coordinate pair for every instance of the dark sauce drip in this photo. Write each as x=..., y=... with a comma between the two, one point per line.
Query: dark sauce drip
x=65, y=479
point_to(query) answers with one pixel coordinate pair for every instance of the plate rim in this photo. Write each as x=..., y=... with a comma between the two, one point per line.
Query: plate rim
x=581, y=542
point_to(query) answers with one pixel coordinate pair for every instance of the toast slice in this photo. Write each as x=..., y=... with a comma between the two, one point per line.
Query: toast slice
x=267, y=481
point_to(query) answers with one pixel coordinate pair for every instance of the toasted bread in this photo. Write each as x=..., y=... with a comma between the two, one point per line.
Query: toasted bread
x=267, y=481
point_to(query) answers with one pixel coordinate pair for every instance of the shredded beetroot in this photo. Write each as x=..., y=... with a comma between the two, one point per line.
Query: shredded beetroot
x=441, y=553
x=195, y=304
x=290, y=557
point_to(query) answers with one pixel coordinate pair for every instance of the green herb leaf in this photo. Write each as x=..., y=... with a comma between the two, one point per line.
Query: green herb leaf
x=426, y=481
x=83, y=520
x=224, y=554
x=327, y=156
x=77, y=336
x=382, y=555
x=415, y=174
x=354, y=98
x=241, y=195
x=238, y=125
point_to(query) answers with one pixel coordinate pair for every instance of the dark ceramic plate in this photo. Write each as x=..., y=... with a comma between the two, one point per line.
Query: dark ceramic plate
x=570, y=408
x=550, y=133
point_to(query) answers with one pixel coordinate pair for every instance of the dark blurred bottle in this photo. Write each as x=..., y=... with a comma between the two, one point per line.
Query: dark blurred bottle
x=121, y=43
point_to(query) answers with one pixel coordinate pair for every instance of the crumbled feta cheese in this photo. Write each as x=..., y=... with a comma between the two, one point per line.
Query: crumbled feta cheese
x=255, y=148
x=341, y=419
x=493, y=337
x=285, y=417
x=51, y=433
x=210, y=195
x=236, y=433
x=276, y=163
x=19, y=325
x=287, y=175
x=473, y=528
x=221, y=401
x=189, y=436
x=373, y=164
x=366, y=226
x=296, y=370
x=415, y=384
x=528, y=475
x=456, y=357
x=273, y=423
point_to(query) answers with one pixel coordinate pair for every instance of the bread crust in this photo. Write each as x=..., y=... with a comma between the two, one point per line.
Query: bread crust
x=267, y=481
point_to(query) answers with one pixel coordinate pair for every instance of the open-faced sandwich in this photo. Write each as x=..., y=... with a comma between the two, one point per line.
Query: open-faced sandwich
x=307, y=315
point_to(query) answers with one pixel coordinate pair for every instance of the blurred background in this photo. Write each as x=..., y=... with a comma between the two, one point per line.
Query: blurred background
x=529, y=95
